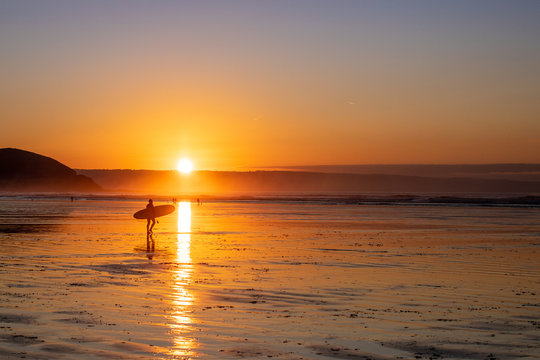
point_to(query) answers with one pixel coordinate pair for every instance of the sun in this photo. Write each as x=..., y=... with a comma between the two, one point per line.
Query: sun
x=185, y=166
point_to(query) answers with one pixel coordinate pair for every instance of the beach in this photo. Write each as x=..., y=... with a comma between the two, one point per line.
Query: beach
x=268, y=279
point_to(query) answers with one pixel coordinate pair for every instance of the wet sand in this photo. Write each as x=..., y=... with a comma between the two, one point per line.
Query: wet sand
x=282, y=280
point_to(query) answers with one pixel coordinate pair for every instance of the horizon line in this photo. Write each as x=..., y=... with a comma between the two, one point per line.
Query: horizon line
x=289, y=167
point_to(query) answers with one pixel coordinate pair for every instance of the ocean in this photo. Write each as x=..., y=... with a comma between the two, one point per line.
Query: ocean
x=269, y=278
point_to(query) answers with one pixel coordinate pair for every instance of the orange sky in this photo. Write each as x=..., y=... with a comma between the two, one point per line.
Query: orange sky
x=236, y=85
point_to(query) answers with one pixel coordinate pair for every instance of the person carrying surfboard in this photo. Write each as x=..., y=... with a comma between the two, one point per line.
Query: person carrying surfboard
x=151, y=212
x=151, y=216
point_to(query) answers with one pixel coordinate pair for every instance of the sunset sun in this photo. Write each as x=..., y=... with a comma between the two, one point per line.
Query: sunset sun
x=184, y=165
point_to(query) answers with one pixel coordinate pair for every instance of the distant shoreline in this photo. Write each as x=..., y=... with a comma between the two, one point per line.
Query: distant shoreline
x=268, y=183
x=371, y=199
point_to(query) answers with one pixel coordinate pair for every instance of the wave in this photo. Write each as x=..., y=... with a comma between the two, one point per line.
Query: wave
x=369, y=199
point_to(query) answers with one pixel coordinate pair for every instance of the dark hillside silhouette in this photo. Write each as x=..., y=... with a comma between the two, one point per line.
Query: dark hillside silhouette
x=23, y=171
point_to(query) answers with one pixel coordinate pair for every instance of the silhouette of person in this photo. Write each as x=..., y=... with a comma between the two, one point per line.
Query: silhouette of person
x=151, y=216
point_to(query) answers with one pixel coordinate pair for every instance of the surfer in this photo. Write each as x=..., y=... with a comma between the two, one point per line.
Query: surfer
x=151, y=217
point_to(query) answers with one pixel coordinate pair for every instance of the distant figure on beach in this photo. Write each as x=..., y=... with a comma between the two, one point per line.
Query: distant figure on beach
x=152, y=218
x=198, y=202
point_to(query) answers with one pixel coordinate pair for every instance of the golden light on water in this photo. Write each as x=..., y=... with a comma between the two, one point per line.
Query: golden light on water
x=183, y=253
x=182, y=297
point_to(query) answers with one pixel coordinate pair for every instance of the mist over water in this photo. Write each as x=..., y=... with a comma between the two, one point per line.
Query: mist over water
x=289, y=279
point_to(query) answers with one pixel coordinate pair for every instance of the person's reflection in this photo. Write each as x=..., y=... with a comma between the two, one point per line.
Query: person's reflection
x=150, y=245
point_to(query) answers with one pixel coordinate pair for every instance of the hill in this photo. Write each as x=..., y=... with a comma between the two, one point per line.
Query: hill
x=297, y=183
x=25, y=171
x=517, y=172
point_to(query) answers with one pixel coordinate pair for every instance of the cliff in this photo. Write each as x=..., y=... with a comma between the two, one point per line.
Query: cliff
x=24, y=171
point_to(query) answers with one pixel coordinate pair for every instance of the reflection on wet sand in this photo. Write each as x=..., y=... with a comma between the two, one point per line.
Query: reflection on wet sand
x=270, y=279
x=33, y=218
x=150, y=245
x=182, y=298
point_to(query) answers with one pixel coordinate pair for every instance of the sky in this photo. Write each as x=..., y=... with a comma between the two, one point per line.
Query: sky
x=246, y=84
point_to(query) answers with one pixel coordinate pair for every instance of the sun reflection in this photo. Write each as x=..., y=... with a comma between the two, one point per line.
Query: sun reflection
x=182, y=296
x=183, y=253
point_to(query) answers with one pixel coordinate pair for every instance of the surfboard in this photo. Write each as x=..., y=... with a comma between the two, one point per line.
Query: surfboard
x=159, y=210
